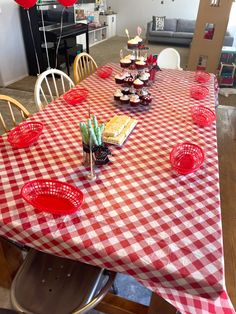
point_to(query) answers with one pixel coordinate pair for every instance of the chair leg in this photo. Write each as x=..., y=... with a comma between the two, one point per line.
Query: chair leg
x=114, y=288
x=67, y=62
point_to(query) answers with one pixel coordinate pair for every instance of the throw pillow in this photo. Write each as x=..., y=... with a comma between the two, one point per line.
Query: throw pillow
x=158, y=23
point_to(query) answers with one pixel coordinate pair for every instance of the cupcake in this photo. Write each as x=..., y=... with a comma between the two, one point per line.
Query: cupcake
x=142, y=93
x=138, y=84
x=125, y=91
x=124, y=99
x=144, y=77
x=132, y=90
x=118, y=94
x=132, y=43
x=129, y=80
x=139, y=40
x=146, y=100
x=133, y=66
x=119, y=78
x=140, y=64
x=134, y=100
x=141, y=59
x=125, y=63
x=131, y=58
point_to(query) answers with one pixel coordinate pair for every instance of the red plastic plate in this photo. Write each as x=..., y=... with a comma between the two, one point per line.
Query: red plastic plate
x=186, y=157
x=76, y=96
x=202, y=115
x=104, y=72
x=199, y=92
x=25, y=134
x=52, y=196
x=202, y=77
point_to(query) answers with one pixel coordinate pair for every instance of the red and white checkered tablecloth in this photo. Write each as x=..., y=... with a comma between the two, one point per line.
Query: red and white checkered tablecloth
x=139, y=217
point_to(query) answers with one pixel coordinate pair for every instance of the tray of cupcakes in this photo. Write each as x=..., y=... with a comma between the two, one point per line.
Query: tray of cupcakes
x=132, y=97
x=133, y=62
x=135, y=76
x=133, y=89
x=135, y=45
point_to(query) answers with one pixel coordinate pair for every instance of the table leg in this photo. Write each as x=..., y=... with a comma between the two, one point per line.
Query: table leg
x=87, y=41
x=159, y=305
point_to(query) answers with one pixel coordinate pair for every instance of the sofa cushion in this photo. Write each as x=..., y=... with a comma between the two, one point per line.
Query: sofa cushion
x=182, y=35
x=187, y=26
x=158, y=23
x=228, y=41
x=170, y=25
x=161, y=33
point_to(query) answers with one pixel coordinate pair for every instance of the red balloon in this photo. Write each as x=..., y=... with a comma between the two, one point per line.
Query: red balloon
x=67, y=3
x=26, y=3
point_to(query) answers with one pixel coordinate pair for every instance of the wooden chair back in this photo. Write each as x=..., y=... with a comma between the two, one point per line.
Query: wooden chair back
x=84, y=65
x=50, y=85
x=11, y=113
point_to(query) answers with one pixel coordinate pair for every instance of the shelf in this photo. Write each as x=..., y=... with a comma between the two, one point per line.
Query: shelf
x=97, y=35
x=226, y=74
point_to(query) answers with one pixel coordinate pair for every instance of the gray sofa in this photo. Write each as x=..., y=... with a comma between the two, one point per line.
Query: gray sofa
x=178, y=31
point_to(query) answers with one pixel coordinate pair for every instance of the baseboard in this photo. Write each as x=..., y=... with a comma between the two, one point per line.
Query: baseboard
x=5, y=84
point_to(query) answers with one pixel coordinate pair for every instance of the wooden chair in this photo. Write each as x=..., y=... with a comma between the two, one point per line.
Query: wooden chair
x=49, y=284
x=84, y=65
x=169, y=58
x=11, y=112
x=50, y=85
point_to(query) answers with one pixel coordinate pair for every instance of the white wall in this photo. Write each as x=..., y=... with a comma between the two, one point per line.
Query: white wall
x=232, y=23
x=13, y=64
x=133, y=13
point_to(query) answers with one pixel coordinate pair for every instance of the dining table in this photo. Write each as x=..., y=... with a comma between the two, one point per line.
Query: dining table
x=139, y=216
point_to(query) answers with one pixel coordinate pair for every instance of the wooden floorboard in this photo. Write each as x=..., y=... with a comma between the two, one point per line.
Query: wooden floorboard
x=113, y=304
x=226, y=135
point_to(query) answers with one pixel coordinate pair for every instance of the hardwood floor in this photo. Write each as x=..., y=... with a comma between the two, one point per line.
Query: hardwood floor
x=226, y=135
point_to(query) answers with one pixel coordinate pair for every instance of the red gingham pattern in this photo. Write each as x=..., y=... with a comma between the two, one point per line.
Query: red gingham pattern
x=139, y=217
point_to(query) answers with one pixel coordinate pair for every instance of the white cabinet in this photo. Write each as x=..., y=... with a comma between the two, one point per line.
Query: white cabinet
x=110, y=21
x=97, y=35
x=81, y=39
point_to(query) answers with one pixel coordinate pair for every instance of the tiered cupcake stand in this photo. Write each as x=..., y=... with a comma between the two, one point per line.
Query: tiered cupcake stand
x=133, y=80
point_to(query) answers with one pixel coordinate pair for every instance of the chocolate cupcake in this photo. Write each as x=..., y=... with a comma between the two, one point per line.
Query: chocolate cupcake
x=125, y=63
x=132, y=90
x=139, y=40
x=146, y=100
x=131, y=58
x=124, y=99
x=142, y=93
x=140, y=64
x=132, y=43
x=134, y=100
x=129, y=80
x=125, y=90
x=118, y=94
x=119, y=78
x=144, y=77
x=138, y=84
